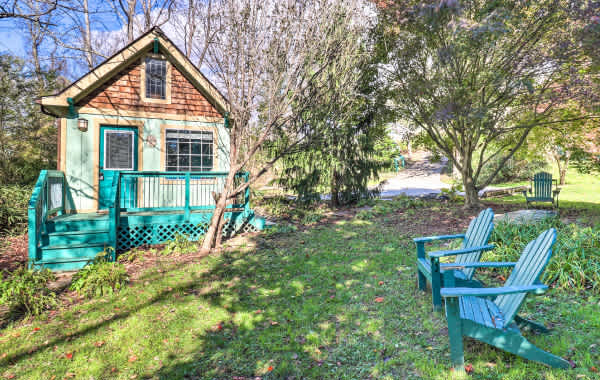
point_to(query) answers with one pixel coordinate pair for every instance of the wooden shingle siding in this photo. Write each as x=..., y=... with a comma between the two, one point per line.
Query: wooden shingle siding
x=122, y=92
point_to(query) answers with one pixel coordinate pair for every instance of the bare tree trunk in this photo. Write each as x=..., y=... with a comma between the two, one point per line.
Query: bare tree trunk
x=130, y=16
x=471, y=192
x=87, y=36
x=562, y=167
x=212, y=238
x=335, y=200
x=190, y=28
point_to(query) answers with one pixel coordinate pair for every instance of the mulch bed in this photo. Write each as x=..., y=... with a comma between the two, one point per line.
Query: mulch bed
x=13, y=252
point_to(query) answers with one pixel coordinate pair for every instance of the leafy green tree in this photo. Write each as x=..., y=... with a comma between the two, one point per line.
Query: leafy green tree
x=563, y=141
x=478, y=76
x=27, y=137
x=348, y=142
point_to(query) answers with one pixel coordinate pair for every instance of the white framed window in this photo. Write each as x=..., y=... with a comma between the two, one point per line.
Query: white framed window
x=119, y=150
x=189, y=150
x=156, y=78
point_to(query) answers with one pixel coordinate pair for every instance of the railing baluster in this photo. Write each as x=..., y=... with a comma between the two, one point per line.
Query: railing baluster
x=187, y=211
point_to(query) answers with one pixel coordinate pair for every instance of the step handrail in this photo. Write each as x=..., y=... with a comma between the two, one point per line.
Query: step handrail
x=47, y=198
x=114, y=213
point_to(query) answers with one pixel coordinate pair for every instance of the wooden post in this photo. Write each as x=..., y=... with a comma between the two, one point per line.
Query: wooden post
x=247, y=195
x=420, y=276
x=454, y=325
x=436, y=284
x=187, y=211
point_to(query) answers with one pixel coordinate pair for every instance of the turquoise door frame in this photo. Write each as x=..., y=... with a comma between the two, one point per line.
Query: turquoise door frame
x=118, y=152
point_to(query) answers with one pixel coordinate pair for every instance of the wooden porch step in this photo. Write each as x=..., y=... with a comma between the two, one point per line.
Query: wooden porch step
x=62, y=261
x=78, y=222
x=75, y=237
x=63, y=264
x=73, y=252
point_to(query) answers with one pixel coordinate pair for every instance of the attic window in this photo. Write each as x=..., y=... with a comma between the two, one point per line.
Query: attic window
x=156, y=78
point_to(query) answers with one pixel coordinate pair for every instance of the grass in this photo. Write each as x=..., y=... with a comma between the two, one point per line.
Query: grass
x=580, y=195
x=300, y=304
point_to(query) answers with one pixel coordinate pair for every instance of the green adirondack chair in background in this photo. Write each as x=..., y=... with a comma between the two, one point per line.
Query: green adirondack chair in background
x=429, y=268
x=541, y=189
x=474, y=312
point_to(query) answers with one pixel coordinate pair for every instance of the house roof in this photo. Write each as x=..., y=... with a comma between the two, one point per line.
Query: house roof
x=57, y=104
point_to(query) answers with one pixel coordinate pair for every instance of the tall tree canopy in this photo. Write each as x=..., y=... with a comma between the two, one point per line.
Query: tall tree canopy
x=27, y=137
x=342, y=152
x=478, y=76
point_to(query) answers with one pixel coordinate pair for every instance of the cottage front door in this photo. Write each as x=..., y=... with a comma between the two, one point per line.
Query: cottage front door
x=118, y=152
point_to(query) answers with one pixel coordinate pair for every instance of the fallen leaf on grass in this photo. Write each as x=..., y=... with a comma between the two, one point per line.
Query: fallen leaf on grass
x=593, y=369
x=69, y=355
x=36, y=329
x=469, y=368
x=99, y=343
x=132, y=358
x=379, y=299
x=380, y=282
x=11, y=376
x=270, y=368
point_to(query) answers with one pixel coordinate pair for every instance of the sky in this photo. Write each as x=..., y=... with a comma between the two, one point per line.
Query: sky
x=10, y=38
x=13, y=39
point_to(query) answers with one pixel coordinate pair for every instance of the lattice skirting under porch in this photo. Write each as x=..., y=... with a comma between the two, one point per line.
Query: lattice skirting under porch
x=131, y=236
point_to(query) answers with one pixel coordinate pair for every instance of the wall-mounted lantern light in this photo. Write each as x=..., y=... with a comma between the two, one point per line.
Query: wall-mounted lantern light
x=82, y=125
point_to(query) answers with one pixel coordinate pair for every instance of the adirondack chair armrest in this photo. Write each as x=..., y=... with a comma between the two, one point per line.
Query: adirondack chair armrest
x=427, y=239
x=454, y=252
x=556, y=191
x=491, y=292
x=485, y=264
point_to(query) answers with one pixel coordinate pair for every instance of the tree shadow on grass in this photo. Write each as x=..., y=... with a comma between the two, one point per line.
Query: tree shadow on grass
x=293, y=315
x=26, y=351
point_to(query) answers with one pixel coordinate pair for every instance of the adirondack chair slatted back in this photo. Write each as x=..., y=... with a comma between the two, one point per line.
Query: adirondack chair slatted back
x=542, y=185
x=528, y=269
x=477, y=235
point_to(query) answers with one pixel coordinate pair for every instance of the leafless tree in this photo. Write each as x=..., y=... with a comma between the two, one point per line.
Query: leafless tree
x=36, y=27
x=152, y=13
x=78, y=23
x=195, y=27
x=32, y=11
x=270, y=58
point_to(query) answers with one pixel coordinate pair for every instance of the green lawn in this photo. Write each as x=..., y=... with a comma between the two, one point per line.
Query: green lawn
x=296, y=305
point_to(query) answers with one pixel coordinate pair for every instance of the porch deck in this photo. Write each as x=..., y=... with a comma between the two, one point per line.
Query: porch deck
x=62, y=240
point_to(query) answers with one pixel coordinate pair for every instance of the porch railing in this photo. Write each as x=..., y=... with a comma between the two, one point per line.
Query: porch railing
x=175, y=191
x=47, y=199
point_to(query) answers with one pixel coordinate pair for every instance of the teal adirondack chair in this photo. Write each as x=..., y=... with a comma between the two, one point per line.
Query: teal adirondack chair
x=429, y=268
x=490, y=314
x=541, y=189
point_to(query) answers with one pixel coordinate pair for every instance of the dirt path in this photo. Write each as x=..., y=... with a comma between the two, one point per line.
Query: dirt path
x=420, y=178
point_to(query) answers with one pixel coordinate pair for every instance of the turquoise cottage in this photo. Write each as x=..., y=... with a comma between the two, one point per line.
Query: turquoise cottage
x=143, y=149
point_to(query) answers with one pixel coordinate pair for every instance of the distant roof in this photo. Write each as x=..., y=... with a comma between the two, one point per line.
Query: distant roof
x=111, y=66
